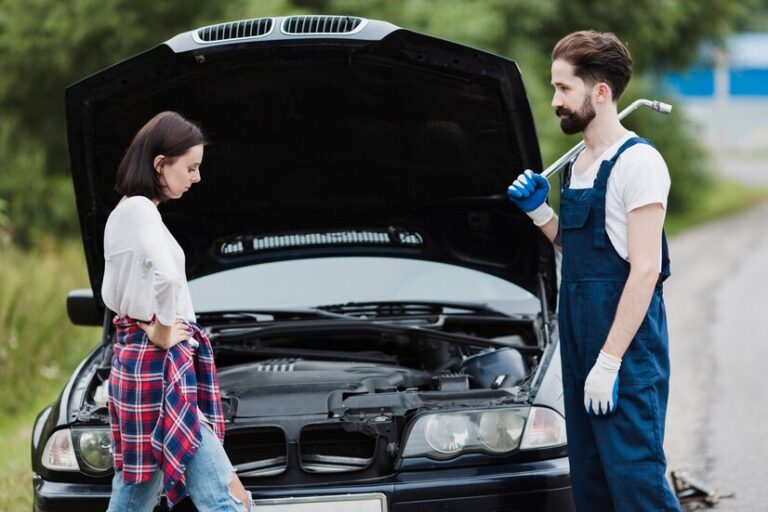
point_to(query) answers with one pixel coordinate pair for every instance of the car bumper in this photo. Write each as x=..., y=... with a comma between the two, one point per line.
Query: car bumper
x=540, y=486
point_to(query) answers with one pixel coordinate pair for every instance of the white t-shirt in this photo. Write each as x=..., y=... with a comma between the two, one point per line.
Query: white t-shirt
x=144, y=265
x=640, y=177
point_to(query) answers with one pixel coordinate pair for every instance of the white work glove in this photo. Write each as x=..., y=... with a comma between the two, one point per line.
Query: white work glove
x=601, y=389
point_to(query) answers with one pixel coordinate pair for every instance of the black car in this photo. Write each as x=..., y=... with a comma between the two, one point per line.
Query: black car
x=382, y=316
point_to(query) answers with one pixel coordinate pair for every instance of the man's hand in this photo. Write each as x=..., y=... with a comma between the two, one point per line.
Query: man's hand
x=164, y=336
x=529, y=192
x=601, y=389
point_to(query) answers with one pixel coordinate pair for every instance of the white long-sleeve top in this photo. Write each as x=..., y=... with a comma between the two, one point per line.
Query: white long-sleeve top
x=144, y=265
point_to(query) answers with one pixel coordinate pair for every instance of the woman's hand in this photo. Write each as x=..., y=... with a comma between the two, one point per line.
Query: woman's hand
x=164, y=336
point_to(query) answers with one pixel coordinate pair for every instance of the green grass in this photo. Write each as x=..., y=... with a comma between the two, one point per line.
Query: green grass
x=725, y=198
x=15, y=470
x=39, y=347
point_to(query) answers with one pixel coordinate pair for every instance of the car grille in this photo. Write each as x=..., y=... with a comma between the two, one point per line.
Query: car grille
x=321, y=24
x=323, y=448
x=257, y=452
x=331, y=449
x=236, y=30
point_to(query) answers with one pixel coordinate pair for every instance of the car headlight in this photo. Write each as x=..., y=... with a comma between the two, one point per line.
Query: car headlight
x=444, y=435
x=500, y=431
x=95, y=449
x=79, y=449
x=545, y=429
x=447, y=433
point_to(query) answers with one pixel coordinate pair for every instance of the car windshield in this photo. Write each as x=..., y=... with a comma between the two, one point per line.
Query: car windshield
x=338, y=280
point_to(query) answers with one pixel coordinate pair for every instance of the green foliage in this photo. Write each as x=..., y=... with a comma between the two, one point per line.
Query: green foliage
x=39, y=347
x=46, y=45
x=755, y=19
x=49, y=45
x=659, y=33
x=731, y=197
x=15, y=470
x=35, y=203
x=5, y=225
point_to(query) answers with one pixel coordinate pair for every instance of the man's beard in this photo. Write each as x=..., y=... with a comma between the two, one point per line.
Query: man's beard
x=576, y=122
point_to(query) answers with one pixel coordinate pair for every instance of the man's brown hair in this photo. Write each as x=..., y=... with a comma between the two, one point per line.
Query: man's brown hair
x=597, y=57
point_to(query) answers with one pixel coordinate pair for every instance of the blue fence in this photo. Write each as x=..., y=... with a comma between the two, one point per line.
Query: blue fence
x=700, y=83
x=746, y=62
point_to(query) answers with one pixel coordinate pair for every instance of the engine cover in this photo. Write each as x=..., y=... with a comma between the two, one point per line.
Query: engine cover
x=287, y=387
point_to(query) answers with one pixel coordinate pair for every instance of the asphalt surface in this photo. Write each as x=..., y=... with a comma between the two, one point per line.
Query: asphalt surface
x=717, y=304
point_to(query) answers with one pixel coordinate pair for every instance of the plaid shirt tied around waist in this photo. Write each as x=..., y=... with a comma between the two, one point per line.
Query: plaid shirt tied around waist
x=154, y=395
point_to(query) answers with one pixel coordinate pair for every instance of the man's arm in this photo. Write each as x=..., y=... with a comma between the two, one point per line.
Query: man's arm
x=550, y=229
x=644, y=228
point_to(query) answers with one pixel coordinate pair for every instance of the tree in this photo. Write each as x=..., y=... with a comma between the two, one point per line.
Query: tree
x=46, y=45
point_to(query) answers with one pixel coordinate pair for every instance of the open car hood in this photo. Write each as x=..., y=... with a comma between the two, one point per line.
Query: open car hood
x=328, y=136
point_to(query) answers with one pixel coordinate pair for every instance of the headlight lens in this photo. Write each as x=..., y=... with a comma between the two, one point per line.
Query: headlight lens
x=545, y=429
x=59, y=454
x=445, y=435
x=95, y=448
x=73, y=450
x=500, y=431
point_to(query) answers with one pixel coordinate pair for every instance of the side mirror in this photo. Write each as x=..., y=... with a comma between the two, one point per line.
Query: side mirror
x=82, y=308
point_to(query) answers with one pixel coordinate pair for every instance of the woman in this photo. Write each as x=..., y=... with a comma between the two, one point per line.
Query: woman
x=165, y=408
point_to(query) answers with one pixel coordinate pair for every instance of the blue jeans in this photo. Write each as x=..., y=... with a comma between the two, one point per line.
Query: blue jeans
x=208, y=476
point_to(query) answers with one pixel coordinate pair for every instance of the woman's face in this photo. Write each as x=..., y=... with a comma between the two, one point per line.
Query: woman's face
x=179, y=176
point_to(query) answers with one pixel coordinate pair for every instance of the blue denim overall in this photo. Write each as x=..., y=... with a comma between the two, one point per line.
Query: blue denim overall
x=617, y=461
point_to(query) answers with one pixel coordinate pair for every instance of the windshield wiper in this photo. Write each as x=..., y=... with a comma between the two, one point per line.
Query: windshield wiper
x=260, y=335
x=383, y=309
x=232, y=323
x=353, y=311
x=267, y=315
x=429, y=316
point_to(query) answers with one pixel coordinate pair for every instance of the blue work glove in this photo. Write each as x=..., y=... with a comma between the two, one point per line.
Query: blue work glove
x=601, y=389
x=529, y=191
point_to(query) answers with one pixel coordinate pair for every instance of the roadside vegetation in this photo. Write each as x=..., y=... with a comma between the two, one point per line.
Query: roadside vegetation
x=39, y=348
x=48, y=45
x=730, y=198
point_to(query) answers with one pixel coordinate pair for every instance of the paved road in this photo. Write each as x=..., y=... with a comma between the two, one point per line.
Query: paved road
x=717, y=302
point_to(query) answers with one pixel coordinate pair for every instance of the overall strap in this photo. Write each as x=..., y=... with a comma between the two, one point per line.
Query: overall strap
x=565, y=183
x=565, y=176
x=601, y=185
x=665, y=270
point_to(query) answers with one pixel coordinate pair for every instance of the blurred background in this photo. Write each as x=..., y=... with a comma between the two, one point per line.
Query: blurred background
x=708, y=58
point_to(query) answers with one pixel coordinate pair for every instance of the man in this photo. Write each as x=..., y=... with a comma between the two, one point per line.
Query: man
x=612, y=322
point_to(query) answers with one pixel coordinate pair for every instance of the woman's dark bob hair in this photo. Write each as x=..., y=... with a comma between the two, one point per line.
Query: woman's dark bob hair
x=167, y=134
